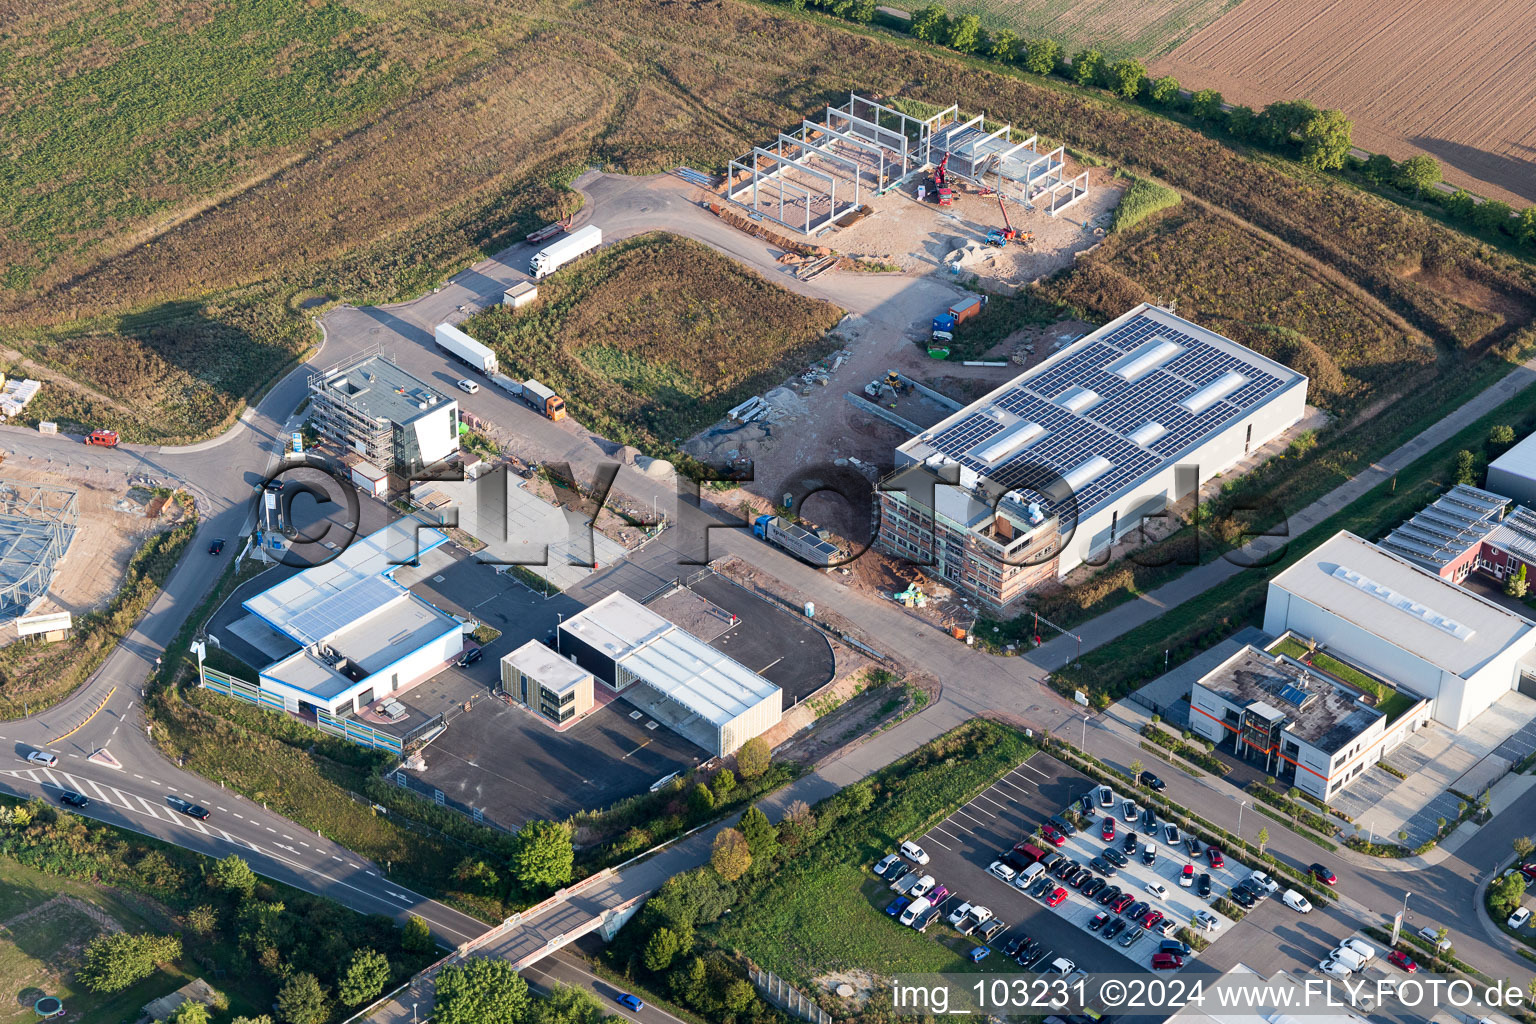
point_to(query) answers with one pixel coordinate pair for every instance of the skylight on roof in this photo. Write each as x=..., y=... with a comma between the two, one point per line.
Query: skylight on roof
x=1148, y=432
x=1404, y=604
x=1076, y=399
x=1086, y=472
x=1146, y=358
x=1214, y=392
x=1005, y=442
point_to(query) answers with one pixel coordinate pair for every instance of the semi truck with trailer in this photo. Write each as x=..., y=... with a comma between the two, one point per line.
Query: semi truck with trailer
x=797, y=540
x=544, y=401
x=562, y=251
x=465, y=349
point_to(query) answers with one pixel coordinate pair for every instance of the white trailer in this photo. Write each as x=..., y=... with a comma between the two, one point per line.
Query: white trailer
x=557, y=254
x=464, y=348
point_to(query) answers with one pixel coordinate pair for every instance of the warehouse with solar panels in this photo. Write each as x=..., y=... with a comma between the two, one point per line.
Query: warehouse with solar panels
x=1049, y=470
x=696, y=691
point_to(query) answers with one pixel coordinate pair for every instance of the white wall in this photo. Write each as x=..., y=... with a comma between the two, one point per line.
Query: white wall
x=755, y=721
x=436, y=432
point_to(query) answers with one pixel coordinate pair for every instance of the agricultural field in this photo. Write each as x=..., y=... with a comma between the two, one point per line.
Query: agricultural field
x=1388, y=67
x=1141, y=30
x=656, y=338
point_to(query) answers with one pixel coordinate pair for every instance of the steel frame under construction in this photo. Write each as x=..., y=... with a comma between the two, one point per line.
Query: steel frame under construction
x=37, y=523
x=809, y=179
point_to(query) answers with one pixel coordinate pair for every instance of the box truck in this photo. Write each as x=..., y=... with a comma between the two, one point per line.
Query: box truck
x=464, y=348
x=557, y=254
x=544, y=401
x=797, y=540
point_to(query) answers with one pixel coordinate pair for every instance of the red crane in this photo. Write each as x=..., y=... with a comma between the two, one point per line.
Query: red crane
x=941, y=183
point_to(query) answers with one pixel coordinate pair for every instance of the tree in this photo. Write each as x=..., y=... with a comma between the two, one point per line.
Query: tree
x=364, y=978
x=1263, y=839
x=1380, y=168
x=566, y=1004
x=1325, y=139
x=1242, y=122
x=542, y=854
x=416, y=937
x=701, y=800
x=1505, y=894
x=113, y=962
x=202, y=920
x=1206, y=104
x=762, y=838
x=1492, y=215
x=1005, y=47
x=1501, y=438
x=661, y=949
x=731, y=856
x=1516, y=585
x=1418, y=173
x=302, y=1001
x=1466, y=463
x=1164, y=90
x=965, y=35
x=1282, y=120
x=1136, y=767
x=1041, y=56
x=481, y=991
x=1126, y=78
x=1523, y=847
x=690, y=980
x=263, y=1019
x=1525, y=229
x=1086, y=66
x=233, y=875
x=739, y=997
x=931, y=24
x=723, y=783
x=1460, y=205
x=753, y=758
x=189, y=1012
x=863, y=12
x=477, y=873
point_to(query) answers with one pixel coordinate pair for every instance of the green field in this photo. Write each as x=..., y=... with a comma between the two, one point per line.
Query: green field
x=1141, y=30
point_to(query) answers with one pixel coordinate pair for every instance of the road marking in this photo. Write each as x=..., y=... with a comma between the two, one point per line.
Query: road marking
x=74, y=783
x=99, y=791
x=137, y=775
x=52, y=778
x=154, y=782
x=114, y=733
x=224, y=809
x=74, y=755
x=147, y=806
x=399, y=896
x=1037, y=771
x=287, y=836
x=303, y=843
x=1000, y=805
x=269, y=828
x=239, y=815
x=92, y=715
x=334, y=857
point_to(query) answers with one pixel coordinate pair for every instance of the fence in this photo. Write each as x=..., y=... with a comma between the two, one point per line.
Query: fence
x=344, y=728
x=788, y=998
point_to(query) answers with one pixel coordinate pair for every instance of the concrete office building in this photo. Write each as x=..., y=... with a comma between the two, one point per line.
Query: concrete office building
x=397, y=423
x=357, y=635
x=1407, y=625
x=1047, y=471
x=1514, y=472
x=1298, y=724
x=546, y=683
x=701, y=694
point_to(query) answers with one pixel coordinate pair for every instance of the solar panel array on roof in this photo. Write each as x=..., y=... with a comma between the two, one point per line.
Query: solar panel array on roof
x=1444, y=531
x=1517, y=534
x=337, y=611
x=1185, y=364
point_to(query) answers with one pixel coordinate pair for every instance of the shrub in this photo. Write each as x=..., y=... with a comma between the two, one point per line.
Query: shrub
x=1164, y=90
x=1126, y=78
x=1041, y=56
x=1206, y=104
x=114, y=962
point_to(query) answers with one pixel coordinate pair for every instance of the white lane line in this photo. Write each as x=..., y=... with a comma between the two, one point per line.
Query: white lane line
x=74, y=755
x=74, y=783
x=334, y=857
x=303, y=843
x=98, y=790
x=52, y=778
x=224, y=809
x=997, y=803
x=148, y=807
x=239, y=815
x=154, y=782
x=1037, y=771
x=287, y=836
x=30, y=774
x=137, y=775
x=935, y=842
x=200, y=827
x=127, y=804
x=114, y=732
x=271, y=829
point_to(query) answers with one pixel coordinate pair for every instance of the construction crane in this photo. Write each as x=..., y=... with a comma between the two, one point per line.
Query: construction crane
x=941, y=183
x=1007, y=233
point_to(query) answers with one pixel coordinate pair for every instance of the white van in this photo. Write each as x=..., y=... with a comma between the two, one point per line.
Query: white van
x=1297, y=902
x=912, y=851
x=1348, y=957
x=1029, y=874
x=915, y=910
x=1002, y=870
x=1364, y=950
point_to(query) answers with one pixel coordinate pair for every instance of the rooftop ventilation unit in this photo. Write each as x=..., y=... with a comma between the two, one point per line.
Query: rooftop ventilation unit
x=1146, y=358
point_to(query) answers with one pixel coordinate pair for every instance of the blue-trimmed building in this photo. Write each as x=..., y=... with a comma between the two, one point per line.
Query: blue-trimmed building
x=357, y=634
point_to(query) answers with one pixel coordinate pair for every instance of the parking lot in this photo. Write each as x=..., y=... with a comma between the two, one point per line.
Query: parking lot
x=961, y=848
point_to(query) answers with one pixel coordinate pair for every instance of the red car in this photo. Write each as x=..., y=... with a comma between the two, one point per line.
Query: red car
x=1052, y=836
x=1122, y=901
x=1151, y=920
x=1108, y=831
x=1529, y=871
x=1055, y=898
x=1166, y=961
x=1322, y=874
x=1398, y=958
x=1214, y=856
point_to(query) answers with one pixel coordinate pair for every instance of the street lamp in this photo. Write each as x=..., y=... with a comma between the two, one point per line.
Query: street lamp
x=1084, y=745
x=1240, y=816
x=1405, y=904
x=413, y=1013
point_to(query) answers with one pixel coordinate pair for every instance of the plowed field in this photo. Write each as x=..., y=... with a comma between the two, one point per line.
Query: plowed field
x=1456, y=81
x=1145, y=29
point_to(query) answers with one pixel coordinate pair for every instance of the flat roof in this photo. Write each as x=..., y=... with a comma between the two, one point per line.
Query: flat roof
x=379, y=389
x=1405, y=604
x=366, y=645
x=1316, y=708
x=1448, y=527
x=549, y=668
x=1519, y=460
x=1110, y=411
x=672, y=661
x=311, y=605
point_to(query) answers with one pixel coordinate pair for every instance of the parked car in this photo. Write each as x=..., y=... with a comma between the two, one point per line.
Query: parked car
x=1131, y=936
x=1171, y=834
x=1529, y=871
x=469, y=387
x=1148, y=820
x=1207, y=921
x=923, y=887
x=1192, y=845
x=74, y=799
x=1153, y=919
x=1092, y=886
x=990, y=930
x=1157, y=889
x=1052, y=836
x=1262, y=879
x=1149, y=854
x=1050, y=860
x=1103, y=866
x=1243, y=898
x=1131, y=843
x=1175, y=946
x=894, y=870
x=1012, y=946
x=1322, y=874
x=1187, y=876
x=1055, y=898
x=470, y=656
x=1081, y=878
x=959, y=913
x=1108, y=895
x=1364, y=950
x=885, y=863
x=1107, y=830
x=1115, y=927
x=1152, y=782
x=1115, y=857
x=929, y=916
x=903, y=879
x=1061, y=965
x=1129, y=812
x=1136, y=910
x=1122, y=901
x=1024, y=879
x=912, y=851
x=1432, y=936
x=1397, y=958
x=1166, y=961
x=217, y=547
x=1519, y=917
x=1204, y=887
x=1042, y=886
x=939, y=894
x=1002, y=871
x=1099, y=921
x=915, y=911
x=1066, y=869
x=1063, y=826
x=43, y=758
x=1015, y=860
x=1296, y=901
x=898, y=906
x=1334, y=968
x=1348, y=957
x=1106, y=797
x=980, y=953
x=1213, y=854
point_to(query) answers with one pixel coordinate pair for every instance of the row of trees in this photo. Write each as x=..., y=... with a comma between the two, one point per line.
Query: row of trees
x=1319, y=138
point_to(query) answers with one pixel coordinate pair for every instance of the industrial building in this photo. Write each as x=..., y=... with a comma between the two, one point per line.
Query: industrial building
x=1406, y=624
x=1514, y=472
x=1300, y=725
x=1047, y=471
x=682, y=682
x=395, y=422
x=355, y=634
x=1446, y=536
x=546, y=683
x=37, y=525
